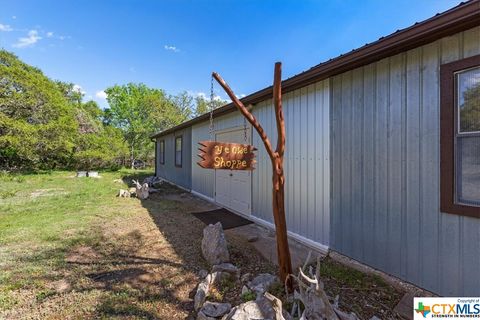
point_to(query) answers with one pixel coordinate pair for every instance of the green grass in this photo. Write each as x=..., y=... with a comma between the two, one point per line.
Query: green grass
x=44, y=215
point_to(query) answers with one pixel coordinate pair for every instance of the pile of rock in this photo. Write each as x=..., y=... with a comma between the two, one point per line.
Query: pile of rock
x=215, y=251
x=141, y=190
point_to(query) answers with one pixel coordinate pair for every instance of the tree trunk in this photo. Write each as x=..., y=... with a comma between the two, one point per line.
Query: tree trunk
x=278, y=205
x=278, y=177
x=132, y=159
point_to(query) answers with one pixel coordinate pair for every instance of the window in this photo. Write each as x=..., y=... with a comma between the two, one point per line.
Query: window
x=460, y=137
x=161, y=151
x=178, y=151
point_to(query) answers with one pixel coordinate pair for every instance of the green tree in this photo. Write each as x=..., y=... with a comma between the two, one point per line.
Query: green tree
x=37, y=124
x=139, y=111
x=203, y=105
x=72, y=94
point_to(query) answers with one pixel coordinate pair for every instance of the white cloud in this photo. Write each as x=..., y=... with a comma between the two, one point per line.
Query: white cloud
x=101, y=94
x=78, y=88
x=5, y=27
x=49, y=34
x=205, y=97
x=14, y=17
x=32, y=38
x=171, y=48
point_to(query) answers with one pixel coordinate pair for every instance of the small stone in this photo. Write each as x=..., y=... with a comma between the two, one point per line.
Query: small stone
x=202, y=273
x=262, y=282
x=245, y=290
x=219, y=277
x=201, y=294
x=202, y=316
x=215, y=309
x=214, y=244
x=226, y=267
x=123, y=193
x=375, y=318
x=252, y=238
x=246, y=277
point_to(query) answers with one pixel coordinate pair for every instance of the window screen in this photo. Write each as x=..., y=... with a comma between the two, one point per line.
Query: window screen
x=161, y=152
x=467, y=144
x=178, y=151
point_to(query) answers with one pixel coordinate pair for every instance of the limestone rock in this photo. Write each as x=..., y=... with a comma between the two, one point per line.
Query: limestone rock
x=258, y=309
x=215, y=309
x=218, y=277
x=214, y=244
x=123, y=193
x=202, y=273
x=201, y=294
x=226, y=267
x=202, y=316
x=245, y=290
x=246, y=277
x=262, y=282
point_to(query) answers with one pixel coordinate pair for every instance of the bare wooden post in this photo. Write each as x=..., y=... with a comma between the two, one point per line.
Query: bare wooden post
x=276, y=157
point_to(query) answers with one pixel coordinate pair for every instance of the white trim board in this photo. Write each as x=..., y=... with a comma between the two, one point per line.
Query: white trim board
x=204, y=197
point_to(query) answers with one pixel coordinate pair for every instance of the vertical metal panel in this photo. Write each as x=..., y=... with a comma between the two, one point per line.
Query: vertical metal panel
x=307, y=190
x=386, y=171
x=180, y=176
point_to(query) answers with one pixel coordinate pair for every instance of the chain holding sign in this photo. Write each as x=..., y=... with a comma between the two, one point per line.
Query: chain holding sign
x=228, y=156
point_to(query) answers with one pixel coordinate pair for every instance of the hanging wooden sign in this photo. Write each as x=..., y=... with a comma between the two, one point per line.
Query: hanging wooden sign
x=225, y=155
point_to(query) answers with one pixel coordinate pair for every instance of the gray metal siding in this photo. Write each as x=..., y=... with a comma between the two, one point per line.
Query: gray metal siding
x=180, y=176
x=307, y=164
x=385, y=177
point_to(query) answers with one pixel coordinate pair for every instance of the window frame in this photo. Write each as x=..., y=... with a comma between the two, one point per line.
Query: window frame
x=448, y=135
x=161, y=154
x=181, y=151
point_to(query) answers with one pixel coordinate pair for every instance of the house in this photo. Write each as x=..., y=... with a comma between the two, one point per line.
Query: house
x=382, y=159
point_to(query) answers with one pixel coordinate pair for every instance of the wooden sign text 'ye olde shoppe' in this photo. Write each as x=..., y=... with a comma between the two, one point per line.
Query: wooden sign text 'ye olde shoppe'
x=224, y=155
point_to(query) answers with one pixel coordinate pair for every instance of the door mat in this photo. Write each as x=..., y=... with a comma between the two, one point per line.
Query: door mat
x=227, y=218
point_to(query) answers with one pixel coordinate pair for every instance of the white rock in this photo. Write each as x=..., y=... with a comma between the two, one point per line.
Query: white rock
x=258, y=309
x=245, y=290
x=123, y=193
x=214, y=244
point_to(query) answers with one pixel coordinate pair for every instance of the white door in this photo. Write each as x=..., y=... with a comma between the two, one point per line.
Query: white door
x=233, y=188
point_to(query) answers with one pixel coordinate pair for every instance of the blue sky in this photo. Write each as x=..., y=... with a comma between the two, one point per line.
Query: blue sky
x=175, y=45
